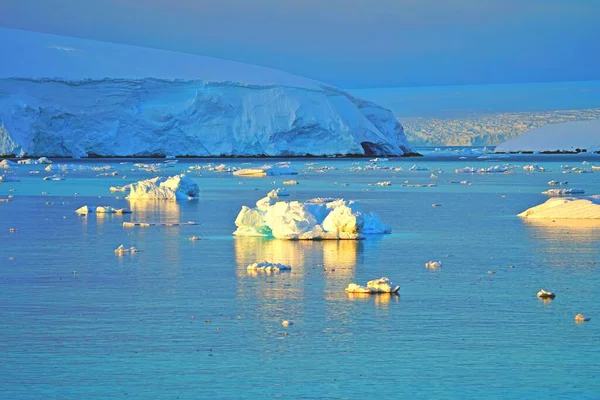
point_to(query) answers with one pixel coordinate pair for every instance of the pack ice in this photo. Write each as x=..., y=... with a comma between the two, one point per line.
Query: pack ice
x=314, y=219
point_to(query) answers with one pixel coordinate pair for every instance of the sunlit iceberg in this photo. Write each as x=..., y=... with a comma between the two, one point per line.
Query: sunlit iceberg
x=566, y=208
x=312, y=220
x=381, y=285
x=178, y=187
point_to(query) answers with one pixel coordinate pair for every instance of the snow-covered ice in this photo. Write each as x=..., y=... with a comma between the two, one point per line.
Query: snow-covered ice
x=568, y=137
x=381, y=285
x=312, y=220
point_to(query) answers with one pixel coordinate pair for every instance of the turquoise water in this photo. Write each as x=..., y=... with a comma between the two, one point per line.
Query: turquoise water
x=184, y=319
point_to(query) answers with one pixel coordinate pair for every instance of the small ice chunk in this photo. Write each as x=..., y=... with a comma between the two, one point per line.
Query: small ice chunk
x=381, y=285
x=579, y=318
x=268, y=267
x=433, y=264
x=123, y=250
x=543, y=294
x=290, y=182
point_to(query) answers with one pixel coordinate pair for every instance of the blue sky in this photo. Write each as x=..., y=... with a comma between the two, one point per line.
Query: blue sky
x=348, y=43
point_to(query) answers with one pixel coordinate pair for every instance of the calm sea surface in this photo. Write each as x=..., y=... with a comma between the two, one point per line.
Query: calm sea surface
x=183, y=319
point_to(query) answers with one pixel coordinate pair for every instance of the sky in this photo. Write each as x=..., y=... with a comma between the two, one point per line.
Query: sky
x=348, y=43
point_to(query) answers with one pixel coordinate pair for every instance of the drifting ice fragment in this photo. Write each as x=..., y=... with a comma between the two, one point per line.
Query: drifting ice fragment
x=381, y=285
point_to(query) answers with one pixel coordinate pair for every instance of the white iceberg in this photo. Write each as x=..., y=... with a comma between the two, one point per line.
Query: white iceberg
x=381, y=285
x=566, y=208
x=572, y=137
x=465, y=170
x=312, y=220
x=33, y=161
x=178, y=187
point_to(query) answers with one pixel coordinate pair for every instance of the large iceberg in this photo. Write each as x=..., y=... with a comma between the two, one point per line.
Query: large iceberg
x=566, y=208
x=178, y=187
x=154, y=103
x=312, y=220
x=570, y=137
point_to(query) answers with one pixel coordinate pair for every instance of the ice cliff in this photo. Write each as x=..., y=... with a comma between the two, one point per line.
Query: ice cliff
x=146, y=117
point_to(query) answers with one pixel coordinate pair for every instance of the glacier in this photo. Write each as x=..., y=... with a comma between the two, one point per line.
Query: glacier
x=70, y=97
x=156, y=117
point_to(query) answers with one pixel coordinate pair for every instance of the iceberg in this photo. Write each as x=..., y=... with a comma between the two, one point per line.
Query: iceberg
x=570, y=137
x=381, y=285
x=178, y=187
x=566, y=208
x=314, y=219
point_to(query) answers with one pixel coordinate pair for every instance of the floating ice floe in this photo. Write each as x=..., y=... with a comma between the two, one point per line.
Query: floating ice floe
x=101, y=210
x=292, y=182
x=496, y=169
x=282, y=168
x=6, y=164
x=433, y=264
x=563, y=192
x=579, y=318
x=268, y=267
x=381, y=285
x=54, y=177
x=534, y=168
x=178, y=187
x=123, y=250
x=383, y=183
x=543, y=294
x=379, y=159
x=7, y=179
x=417, y=168
x=557, y=183
x=587, y=207
x=465, y=170
x=577, y=170
x=314, y=219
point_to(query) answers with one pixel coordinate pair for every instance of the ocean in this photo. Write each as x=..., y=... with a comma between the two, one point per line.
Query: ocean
x=183, y=319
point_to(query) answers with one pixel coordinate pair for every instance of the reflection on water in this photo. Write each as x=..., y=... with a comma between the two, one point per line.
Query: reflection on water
x=157, y=211
x=380, y=299
x=339, y=256
x=565, y=242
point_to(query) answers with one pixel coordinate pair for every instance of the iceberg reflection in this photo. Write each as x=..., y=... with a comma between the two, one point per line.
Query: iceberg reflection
x=336, y=256
x=159, y=211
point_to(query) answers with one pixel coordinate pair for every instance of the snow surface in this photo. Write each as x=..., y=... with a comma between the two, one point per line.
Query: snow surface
x=178, y=187
x=566, y=208
x=312, y=220
x=68, y=97
x=567, y=137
